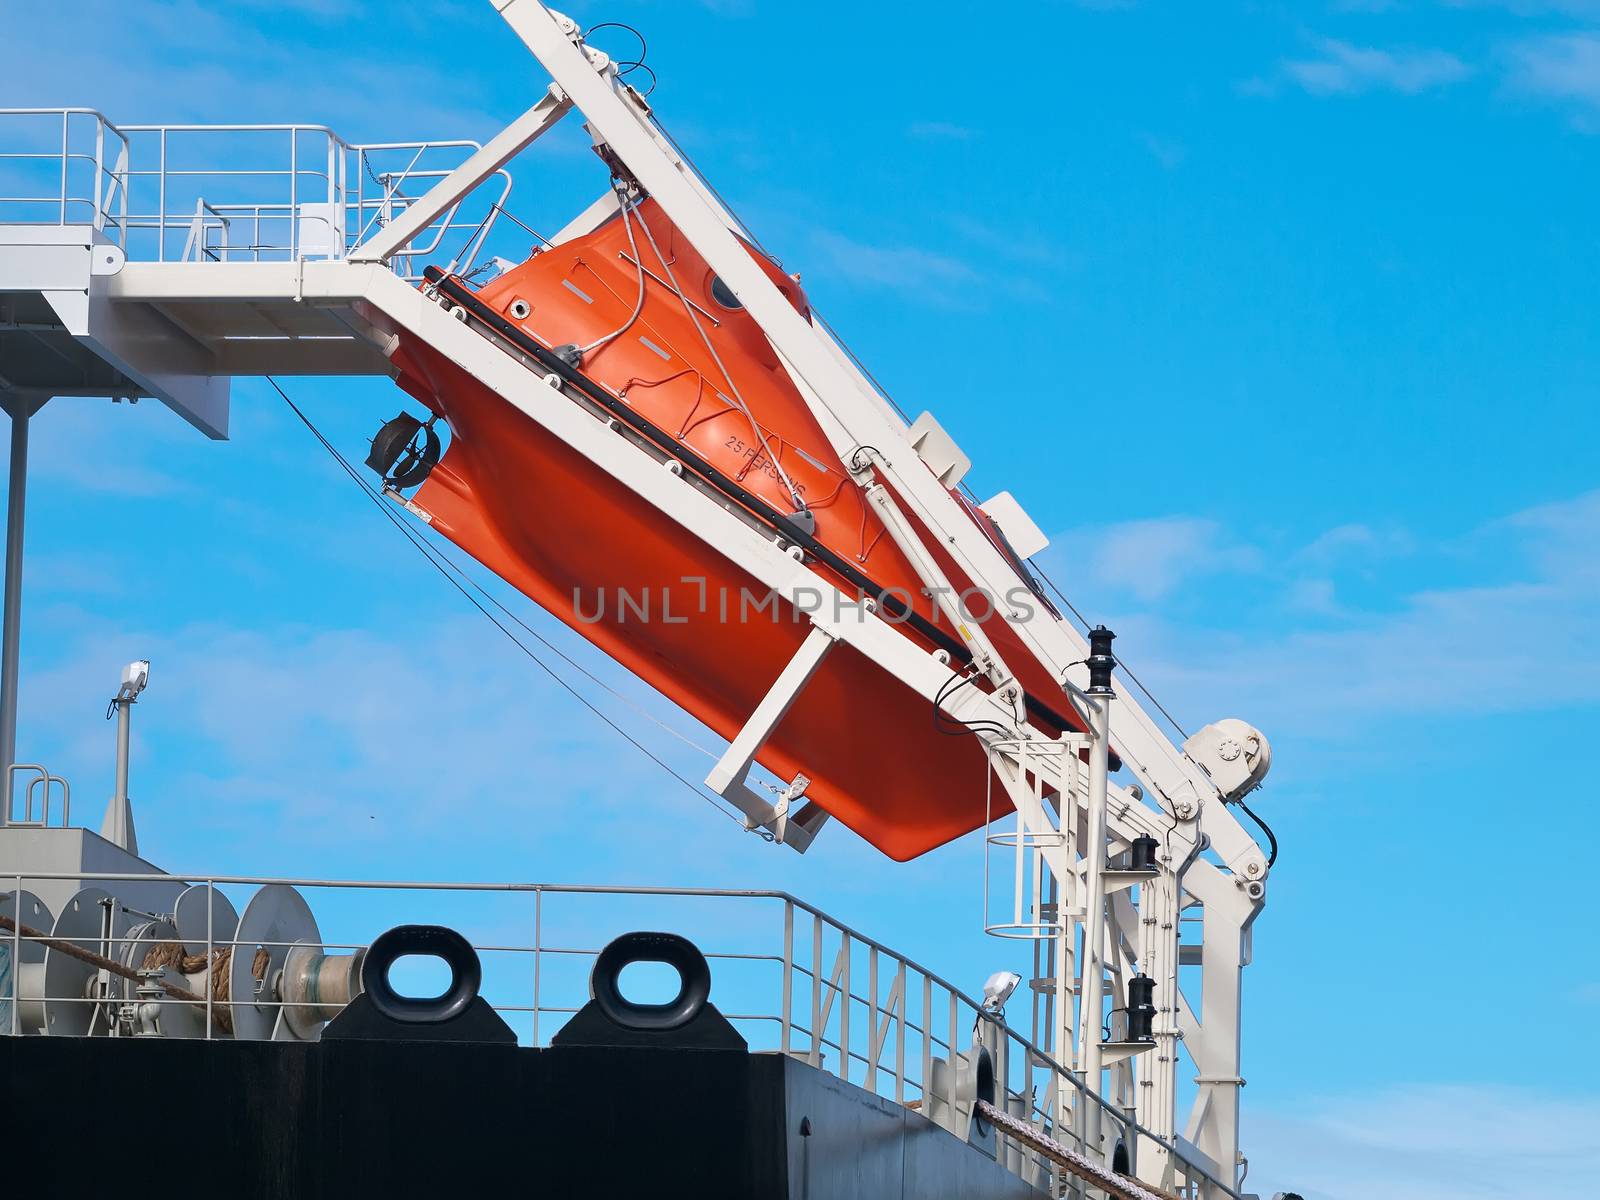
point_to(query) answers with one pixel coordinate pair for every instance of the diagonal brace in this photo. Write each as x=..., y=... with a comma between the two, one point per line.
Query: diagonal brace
x=727, y=778
x=496, y=152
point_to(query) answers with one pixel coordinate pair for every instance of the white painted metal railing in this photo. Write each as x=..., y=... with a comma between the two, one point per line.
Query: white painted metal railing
x=790, y=977
x=234, y=193
x=62, y=166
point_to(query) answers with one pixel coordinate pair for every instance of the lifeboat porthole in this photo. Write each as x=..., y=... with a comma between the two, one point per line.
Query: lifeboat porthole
x=723, y=294
x=520, y=309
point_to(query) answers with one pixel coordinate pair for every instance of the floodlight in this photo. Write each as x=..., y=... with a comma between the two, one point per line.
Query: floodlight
x=134, y=678
x=999, y=988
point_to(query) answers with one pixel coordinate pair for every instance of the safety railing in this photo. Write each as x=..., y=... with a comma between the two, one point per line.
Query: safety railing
x=62, y=166
x=41, y=785
x=790, y=977
x=235, y=193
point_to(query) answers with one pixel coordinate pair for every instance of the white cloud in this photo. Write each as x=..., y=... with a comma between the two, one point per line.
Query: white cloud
x=346, y=737
x=79, y=574
x=1344, y=69
x=1355, y=541
x=1314, y=596
x=1440, y=1142
x=75, y=440
x=1149, y=559
x=242, y=64
x=1528, y=642
x=1025, y=245
x=1563, y=538
x=1561, y=66
x=903, y=268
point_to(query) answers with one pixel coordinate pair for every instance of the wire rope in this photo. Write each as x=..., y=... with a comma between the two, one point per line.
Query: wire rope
x=755, y=428
x=444, y=569
x=638, y=306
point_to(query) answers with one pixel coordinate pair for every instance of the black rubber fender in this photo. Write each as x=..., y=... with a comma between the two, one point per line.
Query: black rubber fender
x=466, y=974
x=677, y=952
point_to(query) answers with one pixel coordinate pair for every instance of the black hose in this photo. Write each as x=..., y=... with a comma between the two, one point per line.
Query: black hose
x=1272, y=838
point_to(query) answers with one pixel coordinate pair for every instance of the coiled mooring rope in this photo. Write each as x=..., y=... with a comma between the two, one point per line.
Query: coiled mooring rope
x=160, y=955
x=173, y=954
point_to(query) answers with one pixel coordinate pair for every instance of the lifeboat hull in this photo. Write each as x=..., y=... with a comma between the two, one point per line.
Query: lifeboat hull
x=664, y=604
x=867, y=742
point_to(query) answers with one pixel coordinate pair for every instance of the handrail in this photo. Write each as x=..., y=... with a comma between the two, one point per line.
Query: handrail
x=42, y=776
x=148, y=182
x=887, y=1018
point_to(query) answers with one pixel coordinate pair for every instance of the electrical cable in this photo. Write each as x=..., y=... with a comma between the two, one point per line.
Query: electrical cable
x=426, y=551
x=856, y=463
x=1272, y=838
x=623, y=67
x=648, y=70
x=1121, y=666
x=860, y=366
x=749, y=236
x=940, y=718
x=626, y=67
x=443, y=562
x=638, y=306
x=573, y=663
x=620, y=697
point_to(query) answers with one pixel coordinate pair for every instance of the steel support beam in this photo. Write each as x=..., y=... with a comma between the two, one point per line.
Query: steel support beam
x=846, y=406
x=21, y=407
x=117, y=827
x=1091, y=993
x=727, y=778
x=437, y=200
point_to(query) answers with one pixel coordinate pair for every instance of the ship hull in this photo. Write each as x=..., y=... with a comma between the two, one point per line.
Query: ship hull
x=330, y=1120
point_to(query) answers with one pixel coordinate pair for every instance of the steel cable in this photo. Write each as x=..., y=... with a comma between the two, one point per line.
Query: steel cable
x=444, y=569
x=638, y=306
x=755, y=427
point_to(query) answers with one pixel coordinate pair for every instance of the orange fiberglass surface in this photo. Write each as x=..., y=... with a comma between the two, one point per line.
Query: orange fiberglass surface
x=689, y=373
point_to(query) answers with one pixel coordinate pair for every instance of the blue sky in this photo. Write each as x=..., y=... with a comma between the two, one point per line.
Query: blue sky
x=1319, y=276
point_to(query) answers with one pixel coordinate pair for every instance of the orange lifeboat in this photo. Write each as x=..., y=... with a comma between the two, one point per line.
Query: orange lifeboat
x=641, y=327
